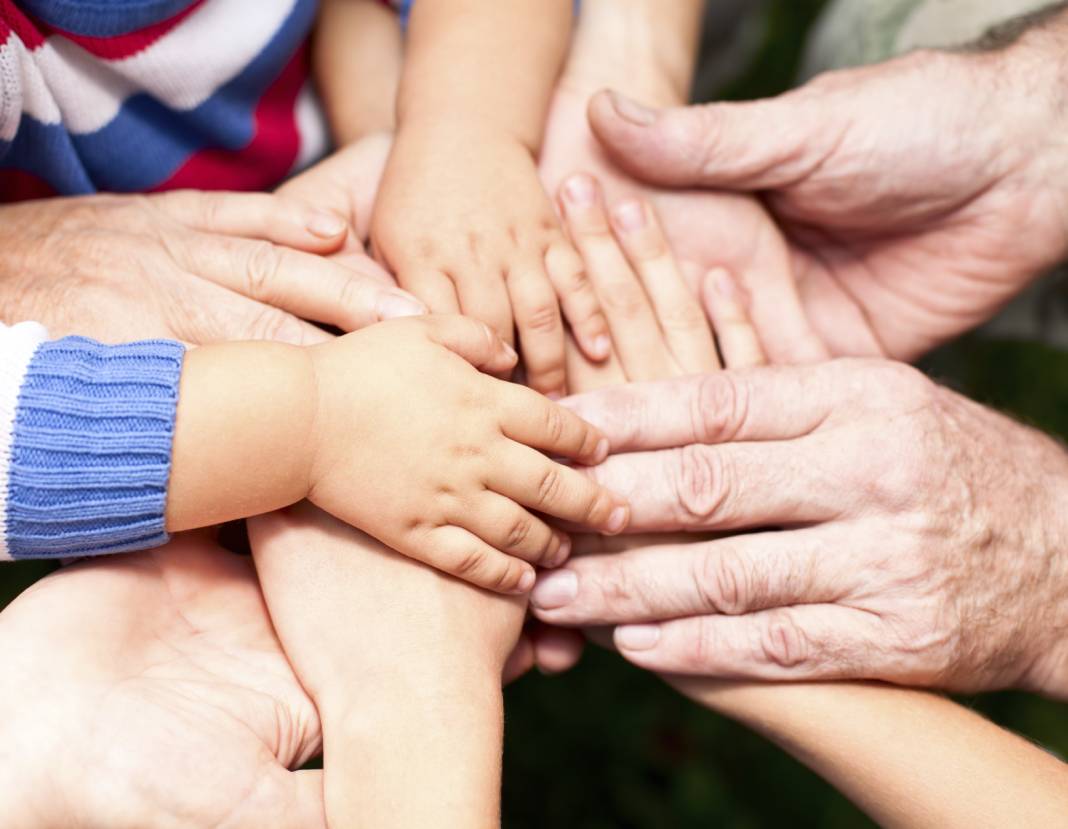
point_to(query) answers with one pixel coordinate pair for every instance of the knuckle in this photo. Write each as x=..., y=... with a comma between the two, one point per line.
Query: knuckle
x=549, y=486
x=518, y=533
x=719, y=408
x=261, y=269
x=272, y=324
x=702, y=485
x=554, y=425
x=701, y=647
x=470, y=563
x=723, y=583
x=616, y=587
x=542, y=318
x=783, y=643
x=683, y=317
x=624, y=300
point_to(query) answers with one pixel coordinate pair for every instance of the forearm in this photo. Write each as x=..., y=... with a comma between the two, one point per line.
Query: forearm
x=907, y=758
x=357, y=61
x=643, y=48
x=242, y=434
x=484, y=65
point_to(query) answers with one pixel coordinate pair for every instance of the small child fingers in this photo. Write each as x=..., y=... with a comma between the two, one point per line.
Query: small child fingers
x=431, y=286
x=541, y=330
x=460, y=553
x=508, y=527
x=533, y=420
x=485, y=297
x=727, y=306
x=578, y=301
x=475, y=341
x=533, y=480
x=683, y=321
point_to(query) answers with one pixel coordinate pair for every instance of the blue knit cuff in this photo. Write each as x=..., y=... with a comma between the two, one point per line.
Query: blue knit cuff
x=91, y=448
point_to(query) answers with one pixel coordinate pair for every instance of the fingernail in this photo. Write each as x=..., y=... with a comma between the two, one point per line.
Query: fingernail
x=637, y=637
x=394, y=306
x=554, y=395
x=526, y=582
x=579, y=190
x=326, y=225
x=632, y=111
x=617, y=520
x=555, y=589
x=564, y=553
x=601, y=452
x=725, y=285
x=513, y=355
x=629, y=216
x=602, y=346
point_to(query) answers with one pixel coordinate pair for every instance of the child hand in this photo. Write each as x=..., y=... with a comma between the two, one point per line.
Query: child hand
x=412, y=444
x=463, y=221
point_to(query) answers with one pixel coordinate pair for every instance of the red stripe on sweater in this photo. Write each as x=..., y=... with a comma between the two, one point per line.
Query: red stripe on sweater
x=271, y=153
x=20, y=24
x=16, y=185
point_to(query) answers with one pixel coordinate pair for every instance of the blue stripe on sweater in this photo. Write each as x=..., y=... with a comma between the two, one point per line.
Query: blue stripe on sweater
x=103, y=18
x=91, y=448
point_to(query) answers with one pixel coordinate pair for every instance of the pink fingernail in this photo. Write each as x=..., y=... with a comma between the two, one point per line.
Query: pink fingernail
x=554, y=396
x=617, y=520
x=601, y=452
x=602, y=346
x=395, y=306
x=526, y=582
x=564, y=553
x=580, y=191
x=554, y=590
x=326, y=225
x=632, y=111
x=511, y=352
x=630, y=216
x=637, y=637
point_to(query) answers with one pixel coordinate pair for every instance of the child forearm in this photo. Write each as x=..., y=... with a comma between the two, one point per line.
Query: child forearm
x=357, y=64
x=484, y=64
x=907, y=758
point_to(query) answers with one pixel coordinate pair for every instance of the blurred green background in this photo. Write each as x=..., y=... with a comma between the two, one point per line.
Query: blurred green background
x=608, y=746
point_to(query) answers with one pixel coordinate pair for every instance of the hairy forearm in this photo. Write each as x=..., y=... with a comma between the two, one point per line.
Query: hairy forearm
x=484, y=64
x=242, y=437
x=907, y=758
x=357, y=60
x=643, y=48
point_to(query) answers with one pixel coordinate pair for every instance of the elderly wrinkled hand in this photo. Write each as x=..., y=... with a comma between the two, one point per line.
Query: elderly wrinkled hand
x=899, y=531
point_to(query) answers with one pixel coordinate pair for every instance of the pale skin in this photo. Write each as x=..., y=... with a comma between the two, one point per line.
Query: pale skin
x=909, y=759
x=461, y=216
x=396, y=430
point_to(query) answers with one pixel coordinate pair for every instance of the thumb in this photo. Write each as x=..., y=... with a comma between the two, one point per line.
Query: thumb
x=475, y=341
x=740, y=146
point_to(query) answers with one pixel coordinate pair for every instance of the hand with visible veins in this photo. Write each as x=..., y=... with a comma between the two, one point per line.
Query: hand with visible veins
x=918, y=195
x=150, y=690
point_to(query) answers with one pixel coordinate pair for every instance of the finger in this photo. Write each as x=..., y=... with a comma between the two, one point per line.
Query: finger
x=729, y=486
x=433, y=288
x=635, y=332
x=555, y=649
x=680, y=315
x=519, y=661
x=504, y=525
x=460, y=553
x=788, y=643
x=475, y=341
x=767, y=403
x=533, y=420
x=540, y=328
x=485, y=297
x=729, y=576
x=531, y=479
x=729, y=145
x=311, y=287
x=580, y=305
x=726, y=306
x=270, y=217
x=224, y=316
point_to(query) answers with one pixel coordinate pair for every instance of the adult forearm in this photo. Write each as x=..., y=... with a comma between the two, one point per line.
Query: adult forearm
x=905, y=757
x=484, y=64
x=643, y=48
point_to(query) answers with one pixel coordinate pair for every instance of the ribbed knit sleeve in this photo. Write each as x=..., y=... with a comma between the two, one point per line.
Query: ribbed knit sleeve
x=90, y=449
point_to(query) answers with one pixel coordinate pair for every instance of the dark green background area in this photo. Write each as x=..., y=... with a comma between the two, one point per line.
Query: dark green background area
x=608, y=746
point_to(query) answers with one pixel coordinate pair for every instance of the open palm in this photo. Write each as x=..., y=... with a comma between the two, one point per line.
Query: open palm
x=155, y=690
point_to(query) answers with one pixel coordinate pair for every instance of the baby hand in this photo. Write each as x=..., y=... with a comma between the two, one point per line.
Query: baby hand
x=463, y=221
x=414, y=445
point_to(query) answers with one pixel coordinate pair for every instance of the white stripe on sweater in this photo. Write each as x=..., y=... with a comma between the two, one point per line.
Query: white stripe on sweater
x=185, y=67
x=18, y=343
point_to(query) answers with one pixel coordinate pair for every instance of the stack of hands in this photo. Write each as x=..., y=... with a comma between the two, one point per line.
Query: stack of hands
x=799, y=505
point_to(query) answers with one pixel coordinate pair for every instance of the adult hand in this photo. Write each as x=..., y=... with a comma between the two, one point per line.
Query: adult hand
x=921, y=537
x=199, y=267
x=150, y=690
x=918, y=195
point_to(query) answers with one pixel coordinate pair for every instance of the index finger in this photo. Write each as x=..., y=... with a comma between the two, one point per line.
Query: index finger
x=764, y=403
x=534, y=420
